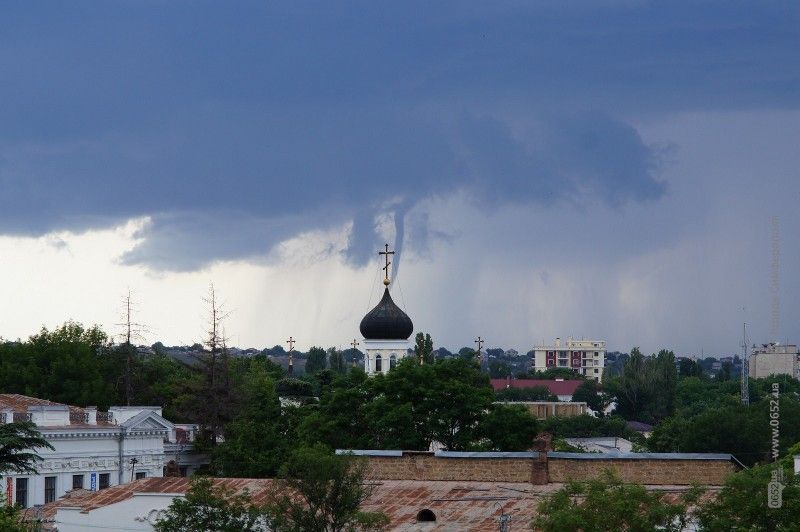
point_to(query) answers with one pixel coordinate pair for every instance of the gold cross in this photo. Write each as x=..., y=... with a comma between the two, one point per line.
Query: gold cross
x=386, y=254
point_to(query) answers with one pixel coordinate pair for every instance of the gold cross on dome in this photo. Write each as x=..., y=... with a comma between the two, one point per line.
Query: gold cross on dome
x=386, y=254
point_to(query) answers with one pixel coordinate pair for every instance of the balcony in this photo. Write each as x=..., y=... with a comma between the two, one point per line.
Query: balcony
x=78, y=418
x=22, y=417
x=105, y=417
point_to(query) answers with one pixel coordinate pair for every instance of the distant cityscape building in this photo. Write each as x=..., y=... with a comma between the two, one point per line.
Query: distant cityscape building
x=585, y=357
x=93, y=450
x=774, y=359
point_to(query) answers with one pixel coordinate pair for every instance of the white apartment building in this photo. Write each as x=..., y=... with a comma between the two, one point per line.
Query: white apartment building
x=774, y=359
x=92, y=450
x=585, y=357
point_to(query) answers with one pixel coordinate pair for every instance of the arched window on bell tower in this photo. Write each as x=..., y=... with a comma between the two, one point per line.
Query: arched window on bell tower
x=378, y=364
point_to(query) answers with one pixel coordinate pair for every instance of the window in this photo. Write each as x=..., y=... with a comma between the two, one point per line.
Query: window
x=77, y=482
x=21, y=497
x=378, y=364
x=597, y=371
x=140, y=475
x=184, y=470
x=392, y=362
x=426, y=516
x=49, y=489
x=105, y=480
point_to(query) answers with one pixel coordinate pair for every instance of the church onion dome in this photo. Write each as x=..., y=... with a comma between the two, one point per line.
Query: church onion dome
x=386, y=321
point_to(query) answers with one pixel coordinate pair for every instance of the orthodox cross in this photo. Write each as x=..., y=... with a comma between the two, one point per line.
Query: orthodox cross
x=354, y=344
x=386, y=254
x=480, y=341
x=291, y=341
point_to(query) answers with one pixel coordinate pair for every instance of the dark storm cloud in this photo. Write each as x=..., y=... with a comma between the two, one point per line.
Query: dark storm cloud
x=236, y=128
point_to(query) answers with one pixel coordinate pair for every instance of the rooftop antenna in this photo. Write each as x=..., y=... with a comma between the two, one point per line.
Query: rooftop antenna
x=775, y=279
x=745, y=384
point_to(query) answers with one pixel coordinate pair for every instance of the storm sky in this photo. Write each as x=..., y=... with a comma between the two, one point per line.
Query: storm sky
x=614, y=170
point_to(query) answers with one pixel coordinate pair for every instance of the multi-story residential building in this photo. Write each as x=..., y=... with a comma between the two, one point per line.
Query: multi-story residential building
x=774, y=359
x=585, y=357
x=92, y=450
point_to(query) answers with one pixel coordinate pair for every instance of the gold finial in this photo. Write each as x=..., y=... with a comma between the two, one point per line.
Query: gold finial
x=386, y=254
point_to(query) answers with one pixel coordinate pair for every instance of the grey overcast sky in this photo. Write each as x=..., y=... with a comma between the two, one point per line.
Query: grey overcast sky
x=604, y=169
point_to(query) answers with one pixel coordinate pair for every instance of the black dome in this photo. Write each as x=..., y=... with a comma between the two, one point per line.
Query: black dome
x=386, y=321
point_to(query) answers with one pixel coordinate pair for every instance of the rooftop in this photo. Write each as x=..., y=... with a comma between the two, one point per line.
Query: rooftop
x=556, y=387
x=456, y=505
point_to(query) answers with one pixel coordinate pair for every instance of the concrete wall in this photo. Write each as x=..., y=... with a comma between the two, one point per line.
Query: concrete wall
x=709, y=470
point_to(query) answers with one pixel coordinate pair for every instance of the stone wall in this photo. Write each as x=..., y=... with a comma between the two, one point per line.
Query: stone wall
x=640, y=471
x=426, y=466
x=709, y=470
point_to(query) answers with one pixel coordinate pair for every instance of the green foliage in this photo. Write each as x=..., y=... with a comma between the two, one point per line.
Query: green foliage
x=586, y=426
x=645, y=390
x=11, y=517
x=742, y=503
x=290, y=387
x=423, y=348
x=499, y=369
x=336, y=360
x=211, y=508
x=607, y=505
x=257, y=440
x=589, y=393
x=534, y=393
x=710, y=418
x=688, y=367
x=322, y=492
x=508, y=428
x=552, y=374
x=317, y=360
x=18, y=444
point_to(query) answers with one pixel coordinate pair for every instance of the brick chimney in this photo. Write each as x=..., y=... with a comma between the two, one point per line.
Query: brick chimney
x=540, y=473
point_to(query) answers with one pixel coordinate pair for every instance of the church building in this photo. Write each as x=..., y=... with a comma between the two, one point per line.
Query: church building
x=385, y=329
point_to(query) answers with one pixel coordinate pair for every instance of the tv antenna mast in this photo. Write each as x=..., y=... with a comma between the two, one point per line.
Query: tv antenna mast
x=745, y=377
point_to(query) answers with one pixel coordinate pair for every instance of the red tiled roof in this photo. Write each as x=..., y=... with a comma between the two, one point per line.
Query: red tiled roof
x=565, y=387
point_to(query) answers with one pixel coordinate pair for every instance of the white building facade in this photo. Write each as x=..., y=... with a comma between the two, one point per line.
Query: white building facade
x=91, y=450
x=585, y=357
x=774, y=359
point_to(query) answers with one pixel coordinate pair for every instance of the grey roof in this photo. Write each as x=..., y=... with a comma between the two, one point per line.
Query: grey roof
x=467, y=454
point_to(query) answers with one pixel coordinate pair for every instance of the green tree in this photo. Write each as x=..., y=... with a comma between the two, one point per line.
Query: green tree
x=423, y=348
x=256, y=441
x=742, y=503
x=316, y=360
x=11, y=517
x=322, y=492
x=557, y=373
x=607, y=505
x=507, y=428
x=589, y=393
x=688, y=367
x=499, y=369
x=18, y=444
x=207, y=507
x=336, y=360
